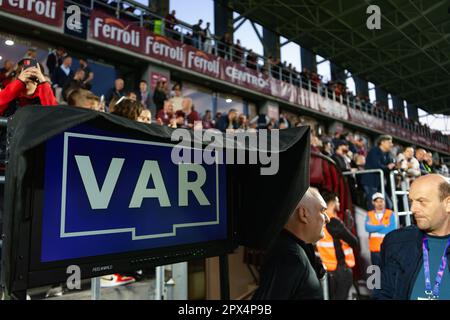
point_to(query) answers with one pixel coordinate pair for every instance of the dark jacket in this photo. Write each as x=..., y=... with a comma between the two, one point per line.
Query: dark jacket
x=224, y=122
x=376, y=159
x=159, y=96
x=290, y=271
x=113, y=94
x=401, y=262
x=339, y=232
x=61, y=79
x=340, y=162
x=71, y=86
x=425, y=168
x=53, y=62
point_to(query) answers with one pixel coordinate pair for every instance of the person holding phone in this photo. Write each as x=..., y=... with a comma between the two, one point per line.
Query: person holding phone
x=30, y=88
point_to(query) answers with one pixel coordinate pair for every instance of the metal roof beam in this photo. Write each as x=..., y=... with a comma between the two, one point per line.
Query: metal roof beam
x=249, y=10
x=402, y=26
x=412, y=41
x=398, y=58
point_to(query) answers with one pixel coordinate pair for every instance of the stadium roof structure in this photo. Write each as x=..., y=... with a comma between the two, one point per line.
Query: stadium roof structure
x=409, y=56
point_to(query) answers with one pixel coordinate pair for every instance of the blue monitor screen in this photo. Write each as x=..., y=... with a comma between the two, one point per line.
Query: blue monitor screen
x=109, y=194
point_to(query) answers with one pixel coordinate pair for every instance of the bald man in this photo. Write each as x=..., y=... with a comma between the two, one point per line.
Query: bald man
x=412, y=255
x=289, y=271
x=421, y=156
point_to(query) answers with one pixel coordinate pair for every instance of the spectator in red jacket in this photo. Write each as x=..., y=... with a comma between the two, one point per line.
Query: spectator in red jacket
x=30, y=88
x=165, y=115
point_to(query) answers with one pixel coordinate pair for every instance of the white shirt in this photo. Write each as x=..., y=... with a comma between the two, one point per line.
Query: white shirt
x=444, y=170
x=177, y=103
x=415, y=170
x=65, y=69
x=379, y=215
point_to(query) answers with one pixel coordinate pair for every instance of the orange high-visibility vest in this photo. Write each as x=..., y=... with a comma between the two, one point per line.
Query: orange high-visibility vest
x=375, y=238
x=327, y=253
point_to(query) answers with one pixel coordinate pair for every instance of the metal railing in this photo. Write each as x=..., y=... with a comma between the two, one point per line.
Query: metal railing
x=325, y=286
x=404, y=192
x=371, y=171
x=183, y=32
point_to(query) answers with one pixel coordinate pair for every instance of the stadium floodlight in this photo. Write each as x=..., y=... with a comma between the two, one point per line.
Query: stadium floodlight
x=9, y=42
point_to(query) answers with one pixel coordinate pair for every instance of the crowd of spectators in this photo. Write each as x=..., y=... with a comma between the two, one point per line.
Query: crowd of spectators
x=169, y=102
x=201, y=37
x=168, y=106
x=56, y=83
x=163, y=104
x=351, y=153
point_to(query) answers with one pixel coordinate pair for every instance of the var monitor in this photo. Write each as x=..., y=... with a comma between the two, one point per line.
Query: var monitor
x=109, y=202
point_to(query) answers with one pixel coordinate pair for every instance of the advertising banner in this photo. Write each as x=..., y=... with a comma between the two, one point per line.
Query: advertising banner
x=332, y=108
x=163, y=48
x=130, y=36
x=116, y=32
x=245, y=77
x=201, y=62
x=45, y=11
x=284, y=90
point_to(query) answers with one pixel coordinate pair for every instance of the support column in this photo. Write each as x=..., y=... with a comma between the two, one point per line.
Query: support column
x=397, y=102
x=337, y=73
x=382, y=96
x=308, y=59
x=413, y=112
x=361, y=86
x=160, y=7
x=271, y=44
x=223, y=18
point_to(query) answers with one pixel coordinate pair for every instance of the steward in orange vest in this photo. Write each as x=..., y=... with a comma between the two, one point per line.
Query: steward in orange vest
x=377, y=235
x=336, y=252
x=379, y=223
x=327, y=251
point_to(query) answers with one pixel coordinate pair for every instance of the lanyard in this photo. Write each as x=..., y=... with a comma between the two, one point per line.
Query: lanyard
x=433, y=292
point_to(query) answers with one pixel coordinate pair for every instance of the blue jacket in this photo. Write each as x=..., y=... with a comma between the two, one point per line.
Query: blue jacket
x=376, y=159
x=401, y=261
x=224, y=122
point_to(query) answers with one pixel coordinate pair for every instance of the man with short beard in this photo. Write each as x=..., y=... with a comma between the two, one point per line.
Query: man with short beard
x=421, y=155
x=342, y=149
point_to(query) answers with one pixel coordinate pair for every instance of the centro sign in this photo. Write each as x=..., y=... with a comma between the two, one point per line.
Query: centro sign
x=242, y=76
x=127, y=196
